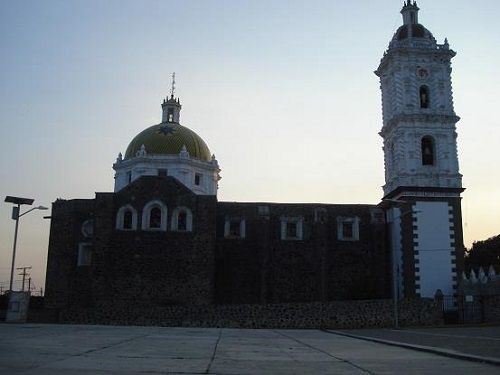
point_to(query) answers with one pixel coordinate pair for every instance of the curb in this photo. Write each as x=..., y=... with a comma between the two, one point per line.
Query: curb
x=427, y=349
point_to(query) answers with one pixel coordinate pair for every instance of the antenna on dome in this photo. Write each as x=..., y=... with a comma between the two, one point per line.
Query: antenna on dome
x=172, y=89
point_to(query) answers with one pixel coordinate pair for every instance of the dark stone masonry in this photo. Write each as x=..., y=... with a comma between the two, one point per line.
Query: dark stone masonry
x=260, y=257
x=314, y=315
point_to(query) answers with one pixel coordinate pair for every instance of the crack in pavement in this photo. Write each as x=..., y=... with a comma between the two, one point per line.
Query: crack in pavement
x=325, y=352
x=207, y=371
x=86, y=352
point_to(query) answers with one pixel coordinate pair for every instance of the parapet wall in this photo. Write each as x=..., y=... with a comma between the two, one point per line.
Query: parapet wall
x=333, y=315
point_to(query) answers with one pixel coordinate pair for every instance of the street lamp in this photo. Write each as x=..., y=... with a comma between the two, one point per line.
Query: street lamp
x=15, y=216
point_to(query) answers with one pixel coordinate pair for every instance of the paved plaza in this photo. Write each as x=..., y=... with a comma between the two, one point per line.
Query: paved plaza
x=78, y=349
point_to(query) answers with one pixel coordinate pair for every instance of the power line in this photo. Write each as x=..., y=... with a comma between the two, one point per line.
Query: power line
x=24, y=274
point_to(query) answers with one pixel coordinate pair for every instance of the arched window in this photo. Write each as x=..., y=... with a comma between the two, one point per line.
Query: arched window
x=126, y=218
x=428, y=151
x=154, y=216
x=182, y=220
x=88, y=228
x=170, y=115
x=424, y=97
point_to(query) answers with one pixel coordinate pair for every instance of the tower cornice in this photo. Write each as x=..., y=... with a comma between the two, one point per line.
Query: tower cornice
x=419, y=118
x=399, y=52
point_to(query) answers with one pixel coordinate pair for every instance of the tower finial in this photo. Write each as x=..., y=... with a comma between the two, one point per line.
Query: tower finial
x=172, y=89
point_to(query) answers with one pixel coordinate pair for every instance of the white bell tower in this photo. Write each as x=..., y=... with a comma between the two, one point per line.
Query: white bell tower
x=421, y=159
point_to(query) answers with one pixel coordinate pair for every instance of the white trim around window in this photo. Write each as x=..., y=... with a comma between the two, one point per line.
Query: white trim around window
x=146, y=216
x=174, y=224
x=120, y=216
x=234, y=227
x=84, y=254
x=348, y=235
x=292, y=228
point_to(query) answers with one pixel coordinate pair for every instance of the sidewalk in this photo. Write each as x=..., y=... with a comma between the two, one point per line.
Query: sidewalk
x=47, y=349
x=481, y=344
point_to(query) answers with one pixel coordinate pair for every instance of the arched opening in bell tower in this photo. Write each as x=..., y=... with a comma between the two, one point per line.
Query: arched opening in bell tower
x=424, y=96
x=428, y=151
x=170, y=115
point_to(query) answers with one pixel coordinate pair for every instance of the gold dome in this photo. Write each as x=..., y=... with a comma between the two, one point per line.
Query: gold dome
x=168, y=138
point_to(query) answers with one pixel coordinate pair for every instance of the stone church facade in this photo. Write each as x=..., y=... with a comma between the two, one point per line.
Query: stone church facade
x=162, y=238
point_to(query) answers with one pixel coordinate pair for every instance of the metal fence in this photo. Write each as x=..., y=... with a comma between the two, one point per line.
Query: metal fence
x=461, y=309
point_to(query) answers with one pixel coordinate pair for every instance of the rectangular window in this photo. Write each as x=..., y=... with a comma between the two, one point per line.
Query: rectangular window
x=348, y=228
x=234, y=227
x=291, y=228
x=84, y=254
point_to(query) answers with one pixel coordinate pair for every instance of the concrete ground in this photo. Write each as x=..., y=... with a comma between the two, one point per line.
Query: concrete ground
x=76, y=349
x=473, y=342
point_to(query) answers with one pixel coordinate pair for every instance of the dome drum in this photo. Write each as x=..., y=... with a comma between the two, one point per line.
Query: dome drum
x=169, y=149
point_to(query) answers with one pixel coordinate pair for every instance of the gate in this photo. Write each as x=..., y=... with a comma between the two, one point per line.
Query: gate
x=460, y=309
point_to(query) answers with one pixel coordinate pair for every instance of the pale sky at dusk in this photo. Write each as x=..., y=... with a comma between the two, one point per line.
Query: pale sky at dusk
x=283, y=92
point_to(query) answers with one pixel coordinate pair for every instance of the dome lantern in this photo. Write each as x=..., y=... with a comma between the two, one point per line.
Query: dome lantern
x=410, y=13
x=171, y=106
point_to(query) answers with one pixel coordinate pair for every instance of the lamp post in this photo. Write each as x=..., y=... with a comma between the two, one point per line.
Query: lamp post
x=18, y=201
x=395, y=263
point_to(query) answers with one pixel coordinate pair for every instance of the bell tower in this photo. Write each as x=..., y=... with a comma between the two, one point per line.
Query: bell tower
x=422, y=180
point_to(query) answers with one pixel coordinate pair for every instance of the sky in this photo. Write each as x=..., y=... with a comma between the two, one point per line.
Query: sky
x=283, y=93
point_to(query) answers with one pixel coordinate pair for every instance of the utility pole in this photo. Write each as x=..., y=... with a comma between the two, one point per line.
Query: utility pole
x=29, y=284
x=23, y=274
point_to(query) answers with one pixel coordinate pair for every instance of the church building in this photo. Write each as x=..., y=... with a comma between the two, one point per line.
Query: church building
x=162, y=238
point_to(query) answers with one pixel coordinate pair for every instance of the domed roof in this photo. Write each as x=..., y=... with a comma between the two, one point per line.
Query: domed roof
x=415, y=30
x=168, y=138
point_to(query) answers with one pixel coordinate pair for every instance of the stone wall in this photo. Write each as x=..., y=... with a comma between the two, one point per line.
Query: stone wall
x=315, y=315
x=136, y=266
x=264, y=268
x=65, y=234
